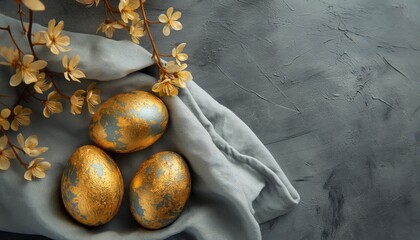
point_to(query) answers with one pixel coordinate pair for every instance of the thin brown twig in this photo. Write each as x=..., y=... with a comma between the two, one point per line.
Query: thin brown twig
x=106, y=12
x=21, y=162
x=111, y=11
x=37, y=98
x=21, y=96
x=21, y=13
x=12, y=146
x=18, y=148
x=29, y=34
x=149, y=33
x=4, y=105
x=58, y=89
x=31, y=45
x=155, y=54
x=153, y=22
x=11, y=37
x=110, y=7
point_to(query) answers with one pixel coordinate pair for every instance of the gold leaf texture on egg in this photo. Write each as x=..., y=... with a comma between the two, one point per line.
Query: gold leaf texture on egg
x=129, y=122
x=159, y=190
x=91, y=186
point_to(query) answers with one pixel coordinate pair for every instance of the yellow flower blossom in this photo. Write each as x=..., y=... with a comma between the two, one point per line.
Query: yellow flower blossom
x=54, y=40
x=165, y=87
x=170, y=20
x=34, y=5
x=27, y=71
x=37, y=168
x=128, y=9
x=93, y=97
x=179, y=83
x=178, y=54
x=30, y=145
x=39, y=38
x=52, y=105
x=11, y=56
x=171, y=67
x=4, y=122
x=6, y=154
x=72, y=72
x=21, y=117
x=89, y=3
x=174, y=77
x=178, y=72
x=184, y=75
x=137, y=31
x=109, y=28
x=76, y=101
x=41, y=84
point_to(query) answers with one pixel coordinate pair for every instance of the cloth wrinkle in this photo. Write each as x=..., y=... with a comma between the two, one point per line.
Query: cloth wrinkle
x=229, y=150
x=240, y=190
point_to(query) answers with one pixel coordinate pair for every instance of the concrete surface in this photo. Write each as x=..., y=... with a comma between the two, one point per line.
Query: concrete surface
x=330, y=86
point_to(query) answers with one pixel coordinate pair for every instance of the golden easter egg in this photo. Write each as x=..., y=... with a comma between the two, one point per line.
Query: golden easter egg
x=129, y=122
x=92, y=187
x=159, y=190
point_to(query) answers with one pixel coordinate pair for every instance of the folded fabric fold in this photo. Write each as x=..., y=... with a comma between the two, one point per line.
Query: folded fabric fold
x=95, y=52
x=236, y=183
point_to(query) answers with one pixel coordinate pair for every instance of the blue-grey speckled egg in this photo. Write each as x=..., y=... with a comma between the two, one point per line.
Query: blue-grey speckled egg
x=159, y=190
x=129, y=122
x=91, y=186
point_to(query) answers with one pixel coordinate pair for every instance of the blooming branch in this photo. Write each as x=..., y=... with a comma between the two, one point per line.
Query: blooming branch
x=29, y=70
x=133, y=18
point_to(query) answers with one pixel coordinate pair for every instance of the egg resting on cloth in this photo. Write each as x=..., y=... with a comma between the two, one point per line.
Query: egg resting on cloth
x=237, y=183
x=92, y=187
x=129, y=122
x=159, y=190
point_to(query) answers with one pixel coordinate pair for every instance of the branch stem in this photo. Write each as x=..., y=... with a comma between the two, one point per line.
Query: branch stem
x=153, y=22
x=12, y=146
x=57, y=88
x=29, y=34
x=149, y=33
x=111, y=11
x=21, y=96
x=11, y=37
x=37, y=98
x=21, y=13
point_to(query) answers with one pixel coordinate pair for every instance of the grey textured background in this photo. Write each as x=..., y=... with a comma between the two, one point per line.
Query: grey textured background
x=332, y=89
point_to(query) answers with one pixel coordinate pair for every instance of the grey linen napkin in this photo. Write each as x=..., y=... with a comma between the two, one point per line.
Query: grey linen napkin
x=236, y=183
